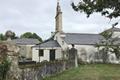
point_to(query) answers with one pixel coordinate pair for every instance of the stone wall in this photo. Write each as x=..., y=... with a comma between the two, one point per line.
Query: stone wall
x=34, y=71
x=40, y=70
x=12, y=53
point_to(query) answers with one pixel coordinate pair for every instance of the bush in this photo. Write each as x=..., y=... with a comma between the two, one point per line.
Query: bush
x=4, y=68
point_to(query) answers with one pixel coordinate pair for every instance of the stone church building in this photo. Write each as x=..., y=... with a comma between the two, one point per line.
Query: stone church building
x=55, y=48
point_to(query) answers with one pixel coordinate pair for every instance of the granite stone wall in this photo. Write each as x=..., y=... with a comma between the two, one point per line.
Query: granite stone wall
x=40, y=70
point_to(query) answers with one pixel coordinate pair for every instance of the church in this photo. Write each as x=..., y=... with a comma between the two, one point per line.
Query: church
x=56, y=47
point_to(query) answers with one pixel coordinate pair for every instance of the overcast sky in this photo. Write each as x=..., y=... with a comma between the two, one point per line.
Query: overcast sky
x=38, y=16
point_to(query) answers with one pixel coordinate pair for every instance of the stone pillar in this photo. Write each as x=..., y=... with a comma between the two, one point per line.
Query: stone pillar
x=73, y=56
x=12, y=56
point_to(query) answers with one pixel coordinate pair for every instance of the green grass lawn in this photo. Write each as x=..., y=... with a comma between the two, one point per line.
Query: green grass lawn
x=90, y=72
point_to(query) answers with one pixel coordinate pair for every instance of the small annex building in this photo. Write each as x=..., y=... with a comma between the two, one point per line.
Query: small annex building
x=25, y=46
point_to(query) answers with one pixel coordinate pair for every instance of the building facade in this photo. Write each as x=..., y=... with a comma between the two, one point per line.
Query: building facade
x=25, y=46
x=59, y=43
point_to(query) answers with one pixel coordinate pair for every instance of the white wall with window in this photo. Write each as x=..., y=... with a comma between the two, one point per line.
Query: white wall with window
x=47, y=54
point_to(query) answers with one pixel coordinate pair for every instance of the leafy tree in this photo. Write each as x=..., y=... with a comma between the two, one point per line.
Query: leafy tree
x=14, y=36
x=2, y=37
x=108, y=8
x=113, y=44
x=26, y=35
x=116, y=50
x=35, y=36
x=105, y=43
x=108, y=44
x=31, y=35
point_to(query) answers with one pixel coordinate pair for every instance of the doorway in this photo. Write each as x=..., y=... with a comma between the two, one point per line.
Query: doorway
x=52, y=55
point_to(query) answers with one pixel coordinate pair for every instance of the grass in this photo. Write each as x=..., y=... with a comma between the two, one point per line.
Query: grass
x=90, y=72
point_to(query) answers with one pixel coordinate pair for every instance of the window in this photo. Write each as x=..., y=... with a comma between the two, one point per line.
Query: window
x=41, y=52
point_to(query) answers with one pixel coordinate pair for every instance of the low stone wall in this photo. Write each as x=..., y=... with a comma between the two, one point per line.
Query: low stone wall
x=29, y=71
x=40, y=70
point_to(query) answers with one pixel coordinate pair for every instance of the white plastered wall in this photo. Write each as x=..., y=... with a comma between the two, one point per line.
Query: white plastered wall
x=35, y=55
x=58, y=54
x=61, y=42
x=22, y=50
x=26, y=51
x=116, y=34
x=29, y=51
x=90, y=50
x=46, y=56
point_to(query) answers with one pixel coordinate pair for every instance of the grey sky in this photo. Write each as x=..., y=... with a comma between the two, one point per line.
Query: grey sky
x=38, y=16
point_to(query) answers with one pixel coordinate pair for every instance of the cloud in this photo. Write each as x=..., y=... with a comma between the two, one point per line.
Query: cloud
x=39, y=16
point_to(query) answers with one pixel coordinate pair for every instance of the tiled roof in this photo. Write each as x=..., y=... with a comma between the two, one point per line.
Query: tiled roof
x=82, y=39
x=26, y=41
x=48, y=44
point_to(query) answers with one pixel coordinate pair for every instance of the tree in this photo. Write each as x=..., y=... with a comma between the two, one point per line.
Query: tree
x=108, y=8
x=108, y=44
x=113, y=44
x=2, y=37
x=31, y=35
x=105, y=43
x=14, y=36
x=35, y=36
x=116, y=50
x=10, y=34
x=26, y=35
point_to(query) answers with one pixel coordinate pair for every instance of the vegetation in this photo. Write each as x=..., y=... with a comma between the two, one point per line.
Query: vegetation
x=108, y=8
x=4, y=63
x=4, y=37
x=31, y=35
x=90, y=72
x=4, y=68
x=105, y=43
x=24, y=35
x=108, y=44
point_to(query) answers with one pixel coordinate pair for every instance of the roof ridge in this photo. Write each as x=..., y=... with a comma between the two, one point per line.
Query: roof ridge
x=51, y=38
x=49, y=43
x=83, y=33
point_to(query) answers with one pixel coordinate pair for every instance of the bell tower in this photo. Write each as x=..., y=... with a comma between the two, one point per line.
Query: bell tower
x=58, y=18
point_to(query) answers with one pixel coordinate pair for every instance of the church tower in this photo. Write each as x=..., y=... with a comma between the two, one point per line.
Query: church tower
x=58, y=18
